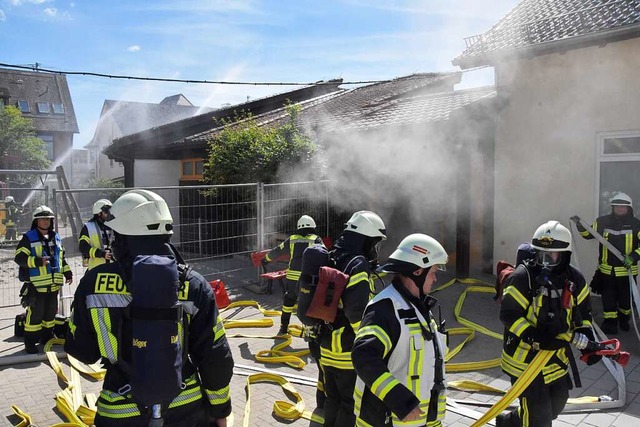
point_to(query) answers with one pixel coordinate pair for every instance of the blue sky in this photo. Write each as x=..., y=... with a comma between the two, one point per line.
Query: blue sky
x=235, y=40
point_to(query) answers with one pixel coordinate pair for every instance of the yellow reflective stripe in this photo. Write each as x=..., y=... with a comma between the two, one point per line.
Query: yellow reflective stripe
x=379, y=333
x=383, y=385
x=48, y=324
x=218, y=329
x=108, y=406
x=357, y=278
x=628, y=243
x=287, y=309
x=336, y=340
x=293, y=275
x=624, y=311
x=23, y=250
x=191, y=393
x=610, y=314
x=519, y=326
x=584, y=293
x=514, y=293
x=84, y=238
x=355, y=326
x=336, y=360
x=524, y=412
x=218, y=397
x=107, y=342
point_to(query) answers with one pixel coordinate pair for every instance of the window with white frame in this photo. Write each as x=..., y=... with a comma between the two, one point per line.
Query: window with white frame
x=618, y=167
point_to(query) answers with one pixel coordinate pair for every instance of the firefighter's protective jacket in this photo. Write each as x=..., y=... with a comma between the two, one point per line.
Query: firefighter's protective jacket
x=623, y=232
x=336, y=340
x=98, y=313
x=13, y=214
x=395, y=358
x=293, y=246
x=29, y=256
x=525, y=301
x=95, y=239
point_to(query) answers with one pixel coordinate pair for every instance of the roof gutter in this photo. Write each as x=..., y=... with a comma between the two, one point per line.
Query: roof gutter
x=592, y=39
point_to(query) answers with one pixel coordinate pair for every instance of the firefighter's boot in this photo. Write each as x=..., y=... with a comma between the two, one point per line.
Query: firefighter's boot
x=623, y=322
x=284, y=323
x=610, y=326
x=46, y=335
x=31, y=344
x=508, y=419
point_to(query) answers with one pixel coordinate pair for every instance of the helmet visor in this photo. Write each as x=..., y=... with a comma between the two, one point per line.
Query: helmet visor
x=548, y=259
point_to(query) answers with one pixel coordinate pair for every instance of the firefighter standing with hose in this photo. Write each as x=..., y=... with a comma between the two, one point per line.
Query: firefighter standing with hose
x=95, y=237
x=293, y=246
x=622, y=230
x=13, y=211
x=399, y=349
x=546, y=306
x=355, y=254
x=43, y=269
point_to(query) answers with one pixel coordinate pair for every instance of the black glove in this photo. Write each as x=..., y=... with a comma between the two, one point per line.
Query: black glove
x=593, y=359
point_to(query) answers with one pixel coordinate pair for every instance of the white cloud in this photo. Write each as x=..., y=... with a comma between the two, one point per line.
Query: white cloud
x=3, y=17
x=134, y=48
x=21, y=2
x=50, y=12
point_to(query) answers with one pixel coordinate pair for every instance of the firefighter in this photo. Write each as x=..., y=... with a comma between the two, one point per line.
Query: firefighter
x=13, y=211
x=355, y=254
x=142, y=225
x=622, y=230
x=399, y=349
x=95, y=237
x=43, y=269
x=546, y=306
x=293, y=247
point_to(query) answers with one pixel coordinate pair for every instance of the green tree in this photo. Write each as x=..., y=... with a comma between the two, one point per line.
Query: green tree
x=245, y=152
x=19, y=146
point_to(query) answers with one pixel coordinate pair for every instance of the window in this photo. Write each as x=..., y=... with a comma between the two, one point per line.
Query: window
x=58, y=108
x=48, y=144
x=192, y=169
x=24, y=106
x=618, y=167
x=43, y=107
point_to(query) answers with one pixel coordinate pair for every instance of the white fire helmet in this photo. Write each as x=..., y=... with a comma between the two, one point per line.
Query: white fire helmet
x=102, y=205
x=368, y=224
x=418, y=250
x=140, y=213
x=43, y=212
x=552, y=237
x=9, y=199
x=620, y=199
x=306, y=221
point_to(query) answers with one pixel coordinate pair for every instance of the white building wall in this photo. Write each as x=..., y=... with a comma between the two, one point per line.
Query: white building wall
x=161, y=173
x=547, y=139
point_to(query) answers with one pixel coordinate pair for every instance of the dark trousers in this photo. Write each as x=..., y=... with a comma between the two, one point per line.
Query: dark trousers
x=338, y=407
x=314, y=350
x=289, y=300
x=10, y=233
x=540, y=403
x=41, y=314
x=615, y=295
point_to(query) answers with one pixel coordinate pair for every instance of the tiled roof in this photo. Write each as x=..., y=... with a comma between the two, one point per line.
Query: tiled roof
x=133, y=117
x=35, y=87
x=359, y=107
x=533, y=22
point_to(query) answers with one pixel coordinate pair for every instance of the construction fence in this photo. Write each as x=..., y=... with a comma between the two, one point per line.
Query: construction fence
x=216, y=227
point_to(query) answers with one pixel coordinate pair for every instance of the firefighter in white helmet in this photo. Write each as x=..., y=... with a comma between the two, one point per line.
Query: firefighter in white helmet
x=292, y=248
x=102, y=326
x=12, y=215
x=622, y=229
x=355, y=254
x=546, y=306
x=96, y=237
x=43, y=269
x=400, y=347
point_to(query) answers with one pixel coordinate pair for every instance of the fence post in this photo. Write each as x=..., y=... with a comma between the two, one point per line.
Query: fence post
x=260, y=215
x=200, y=236
x=55, y=206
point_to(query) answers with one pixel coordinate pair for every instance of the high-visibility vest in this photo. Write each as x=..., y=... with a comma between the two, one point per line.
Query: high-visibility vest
x=411, y=363
x=97, y=242
x=50, y=275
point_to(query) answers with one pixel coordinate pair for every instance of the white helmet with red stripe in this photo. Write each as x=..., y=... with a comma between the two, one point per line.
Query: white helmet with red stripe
x=414, y=252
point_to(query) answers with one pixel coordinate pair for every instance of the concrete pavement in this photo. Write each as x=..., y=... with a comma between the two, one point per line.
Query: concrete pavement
x=32, y=386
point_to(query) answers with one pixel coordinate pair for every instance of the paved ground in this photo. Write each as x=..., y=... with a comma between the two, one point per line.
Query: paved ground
x=32, y=386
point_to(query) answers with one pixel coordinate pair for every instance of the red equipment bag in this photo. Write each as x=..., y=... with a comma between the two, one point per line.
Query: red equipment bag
x=220, y=293
x=331, y=285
